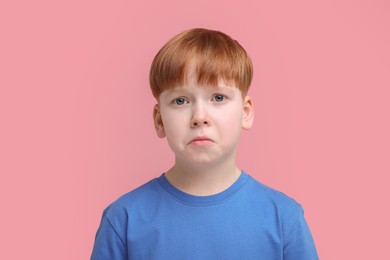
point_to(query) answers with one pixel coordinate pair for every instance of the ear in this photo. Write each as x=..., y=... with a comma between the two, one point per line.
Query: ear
x=158, y=123
x=248, y=113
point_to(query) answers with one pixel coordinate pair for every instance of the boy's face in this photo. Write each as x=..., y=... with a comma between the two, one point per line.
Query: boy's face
x=203, y=123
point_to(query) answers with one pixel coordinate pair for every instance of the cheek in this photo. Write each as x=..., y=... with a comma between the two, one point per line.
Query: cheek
x=232, y=115
x=230, y=123
x=173, y=124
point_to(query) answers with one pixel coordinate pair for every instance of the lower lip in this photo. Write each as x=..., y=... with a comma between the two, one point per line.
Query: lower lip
x=201, y=142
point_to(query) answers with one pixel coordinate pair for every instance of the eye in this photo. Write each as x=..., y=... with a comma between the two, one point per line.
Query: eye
x=219, y=98
x=179, y=101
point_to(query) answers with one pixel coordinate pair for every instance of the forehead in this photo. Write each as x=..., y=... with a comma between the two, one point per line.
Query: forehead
x=192, y=77
x=199, y=71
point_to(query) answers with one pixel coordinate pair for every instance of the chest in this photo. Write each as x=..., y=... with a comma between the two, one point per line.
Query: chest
x=228, y=231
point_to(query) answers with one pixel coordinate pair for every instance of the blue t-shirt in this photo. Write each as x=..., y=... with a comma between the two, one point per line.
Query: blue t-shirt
x=247, y=221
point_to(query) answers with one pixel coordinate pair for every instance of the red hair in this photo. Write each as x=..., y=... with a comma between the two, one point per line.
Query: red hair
x=213, y=55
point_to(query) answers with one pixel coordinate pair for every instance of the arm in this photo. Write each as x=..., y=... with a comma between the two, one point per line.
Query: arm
x=108, y=243
x=299, y=243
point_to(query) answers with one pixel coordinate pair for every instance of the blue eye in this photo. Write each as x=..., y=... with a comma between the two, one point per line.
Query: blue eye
x=219, y=98
x=179, y=101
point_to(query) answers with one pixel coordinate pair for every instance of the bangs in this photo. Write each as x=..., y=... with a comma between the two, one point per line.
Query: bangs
x=211, y=55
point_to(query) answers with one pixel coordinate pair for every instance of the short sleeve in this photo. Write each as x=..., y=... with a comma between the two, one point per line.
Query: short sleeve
x=108, y=244
x=299, y=243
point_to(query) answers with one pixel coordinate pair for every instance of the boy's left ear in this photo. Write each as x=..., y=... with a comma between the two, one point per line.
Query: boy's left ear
x=248, y=113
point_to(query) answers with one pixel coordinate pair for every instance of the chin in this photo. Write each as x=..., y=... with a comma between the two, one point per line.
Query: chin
x=202, y=161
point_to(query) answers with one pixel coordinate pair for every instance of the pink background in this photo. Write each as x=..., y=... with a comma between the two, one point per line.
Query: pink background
x=76, y=114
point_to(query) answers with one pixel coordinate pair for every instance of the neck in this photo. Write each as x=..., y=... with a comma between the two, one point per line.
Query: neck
x=203, y=180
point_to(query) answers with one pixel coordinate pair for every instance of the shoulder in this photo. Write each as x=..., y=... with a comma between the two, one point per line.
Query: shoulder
x=298, y=242
x=275, y=205
x=269, y=195
x=140, y=197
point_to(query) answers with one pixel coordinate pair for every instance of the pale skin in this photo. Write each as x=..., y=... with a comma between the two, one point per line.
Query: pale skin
x=202, y=125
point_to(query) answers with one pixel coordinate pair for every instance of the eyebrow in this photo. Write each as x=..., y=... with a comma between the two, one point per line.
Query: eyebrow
x=179, y=90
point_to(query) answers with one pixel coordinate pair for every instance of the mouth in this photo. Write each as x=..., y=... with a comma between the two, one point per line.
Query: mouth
x=201, y=141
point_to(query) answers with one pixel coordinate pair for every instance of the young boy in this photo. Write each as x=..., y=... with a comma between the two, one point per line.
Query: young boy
x=204, y=207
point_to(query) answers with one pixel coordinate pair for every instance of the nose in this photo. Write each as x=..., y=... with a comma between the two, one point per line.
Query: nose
x=199, y=116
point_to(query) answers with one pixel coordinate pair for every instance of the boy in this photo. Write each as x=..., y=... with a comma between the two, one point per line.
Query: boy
x=204, y=207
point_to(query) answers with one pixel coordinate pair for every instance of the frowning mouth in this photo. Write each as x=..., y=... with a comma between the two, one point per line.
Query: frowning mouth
x=201, y=141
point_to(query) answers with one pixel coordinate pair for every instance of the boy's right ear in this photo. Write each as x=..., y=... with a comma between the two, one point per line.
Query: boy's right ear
x=158, y=123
